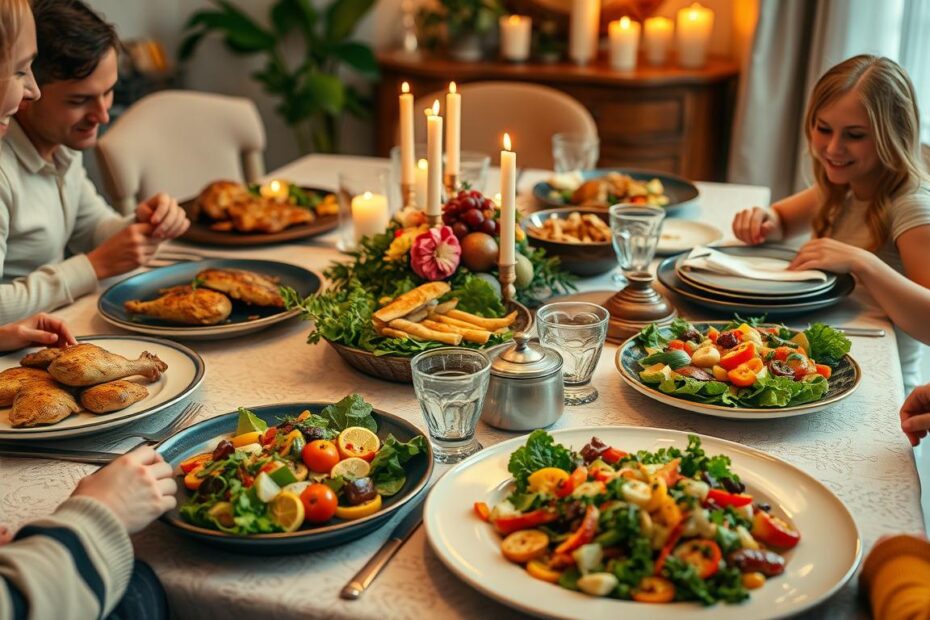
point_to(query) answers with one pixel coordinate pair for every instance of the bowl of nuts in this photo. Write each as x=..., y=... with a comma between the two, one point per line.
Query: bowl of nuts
x=580, y=237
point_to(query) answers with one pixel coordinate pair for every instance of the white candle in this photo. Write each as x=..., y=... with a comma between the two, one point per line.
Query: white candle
x=515, y=37
x=657, y=39
x=453, y=129
x=406, y=135
x=508, y=203
x=584, y=30
x=369, y=214
x=693, y=30
x=420, y=183
x=434, y=160
x=624, y=43
x=276, y=190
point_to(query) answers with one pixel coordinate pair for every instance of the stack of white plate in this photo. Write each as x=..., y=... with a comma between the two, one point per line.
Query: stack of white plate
x=730, y=293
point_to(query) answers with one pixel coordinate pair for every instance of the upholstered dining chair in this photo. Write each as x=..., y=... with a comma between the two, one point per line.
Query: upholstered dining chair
x=177, y=141
x=530, y=113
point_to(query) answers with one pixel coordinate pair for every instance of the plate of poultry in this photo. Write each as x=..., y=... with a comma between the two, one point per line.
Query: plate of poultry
x=232, y=213
x=602, y=188
x=100, y=383
x=208, y=299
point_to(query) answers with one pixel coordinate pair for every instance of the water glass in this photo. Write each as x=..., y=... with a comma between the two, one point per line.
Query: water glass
x=364, y=208
x=473, y=170
x=576, y=330
x=636, y=231
x=450, y=384
x=574, y=152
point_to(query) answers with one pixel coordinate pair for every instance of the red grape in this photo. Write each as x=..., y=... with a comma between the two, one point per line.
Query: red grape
x=488, y=226
x=449, y=218
x=459, y=229
x=473, y=217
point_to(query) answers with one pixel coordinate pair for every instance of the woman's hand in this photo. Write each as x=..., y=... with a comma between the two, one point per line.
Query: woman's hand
x=915, y=414
x=40, y=329
x=831, y=255
x=755, y=226
x=138, y=487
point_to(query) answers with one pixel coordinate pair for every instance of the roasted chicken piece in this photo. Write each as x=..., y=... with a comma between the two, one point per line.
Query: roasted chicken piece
x=88, y=364
x=246, y=286
x=41, y=359
x=35, y=397
x=217, y=197
x=266, y=216
x=12, y=379
x=185, y=304
x=112, y=396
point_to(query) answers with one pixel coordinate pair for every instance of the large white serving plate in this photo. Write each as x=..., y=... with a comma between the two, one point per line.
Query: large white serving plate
x=184, y=374
x=829, y=552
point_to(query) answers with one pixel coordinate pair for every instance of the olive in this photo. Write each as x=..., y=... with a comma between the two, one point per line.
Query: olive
x=692, y=335
x=360, y=491
x=223, y=449
x=312, y=433
x=727, y=340
x=593, y=449
x=733, y=486
x=768, y=563
x=780, y=369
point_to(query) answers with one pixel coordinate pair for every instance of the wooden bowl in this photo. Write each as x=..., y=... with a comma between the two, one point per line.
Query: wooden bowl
x=583, y=259
x=396, y=368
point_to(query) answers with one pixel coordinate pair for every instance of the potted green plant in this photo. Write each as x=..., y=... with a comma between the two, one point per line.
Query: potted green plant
x=462, y=25
x=312, y=96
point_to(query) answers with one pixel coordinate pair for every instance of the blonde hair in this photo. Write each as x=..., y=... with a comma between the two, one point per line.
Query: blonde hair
x=888, y=96
x=12, y=13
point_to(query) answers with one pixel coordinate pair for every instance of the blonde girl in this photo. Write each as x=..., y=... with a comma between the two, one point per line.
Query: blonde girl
x=869, y=208
x=17, y=49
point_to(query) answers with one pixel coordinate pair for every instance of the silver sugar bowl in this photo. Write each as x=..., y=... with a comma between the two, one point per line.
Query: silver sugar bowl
x=526, y=390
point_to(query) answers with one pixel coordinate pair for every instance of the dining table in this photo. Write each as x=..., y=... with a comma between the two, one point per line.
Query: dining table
x=855, y=448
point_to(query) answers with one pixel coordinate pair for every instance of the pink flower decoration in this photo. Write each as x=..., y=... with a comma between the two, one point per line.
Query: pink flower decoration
x=435, y=254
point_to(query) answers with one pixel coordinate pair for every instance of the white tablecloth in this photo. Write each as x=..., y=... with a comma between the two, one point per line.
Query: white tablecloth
x=855, y=448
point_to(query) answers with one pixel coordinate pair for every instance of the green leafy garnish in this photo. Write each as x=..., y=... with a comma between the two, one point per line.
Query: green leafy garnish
x=350, y=411
x=387, y=468
x=249, y=422
x=540, y=451
x=828, y=346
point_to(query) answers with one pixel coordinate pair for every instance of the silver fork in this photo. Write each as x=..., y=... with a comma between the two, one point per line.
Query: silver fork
x=180, y=422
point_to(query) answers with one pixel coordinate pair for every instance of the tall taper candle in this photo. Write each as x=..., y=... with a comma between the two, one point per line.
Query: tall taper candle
x=407, y=159
x=508, y=203
x=584, y=30
x=453, y=129
x=434, y=161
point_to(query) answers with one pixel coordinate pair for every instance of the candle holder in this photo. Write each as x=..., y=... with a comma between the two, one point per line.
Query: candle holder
x=507, y=276
x=451, y=181
x=636, y=306
x=433, y=220
x=408, y=195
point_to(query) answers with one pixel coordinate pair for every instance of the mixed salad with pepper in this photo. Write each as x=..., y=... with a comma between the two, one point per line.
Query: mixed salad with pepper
x=307, y=470
x=653, y=527
x=746, y=363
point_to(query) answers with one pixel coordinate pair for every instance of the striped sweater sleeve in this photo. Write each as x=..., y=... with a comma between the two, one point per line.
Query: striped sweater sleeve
x=74, y=564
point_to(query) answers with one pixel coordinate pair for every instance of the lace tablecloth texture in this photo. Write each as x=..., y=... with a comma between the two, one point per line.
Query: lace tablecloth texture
x=855, y=448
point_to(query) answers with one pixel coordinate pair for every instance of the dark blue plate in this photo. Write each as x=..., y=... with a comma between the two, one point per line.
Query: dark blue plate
x=244, y=318
x=680, y=191
x=203, y=436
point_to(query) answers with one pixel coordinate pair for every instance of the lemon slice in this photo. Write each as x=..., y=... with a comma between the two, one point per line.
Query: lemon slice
x=296, y=488
x=357, y=441
x=265, y=488
x=287, y=511
x=350, y=513
x=351, y=468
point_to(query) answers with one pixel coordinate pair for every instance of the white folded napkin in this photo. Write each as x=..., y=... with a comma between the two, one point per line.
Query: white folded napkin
x=753, y=267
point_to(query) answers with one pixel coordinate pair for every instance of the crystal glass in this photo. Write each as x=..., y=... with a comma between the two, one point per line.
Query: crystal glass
x=473, y=170
x=574, y=152
x=576, y=330
x=450, y=384
x=636, y=231
x=364, y=207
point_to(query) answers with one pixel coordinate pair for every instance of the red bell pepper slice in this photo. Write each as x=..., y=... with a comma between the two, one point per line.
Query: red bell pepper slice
x=612, y=455
x=724, y=499
x=744, y=352
x=508, y=525
x=577, y=477
x=823, y=370
x=774, y=532
x=669, y=545
x=483, y=512
x=585, y=532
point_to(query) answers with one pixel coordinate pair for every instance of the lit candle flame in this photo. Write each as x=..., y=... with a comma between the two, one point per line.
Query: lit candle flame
x=624, y=24
x=515, y=19
x=367, y=195
x=422, y=164
x=452, y=87
x=405, y=88
x=275, y=186
x=435, y=109
x=693, y=11
x=507, y=142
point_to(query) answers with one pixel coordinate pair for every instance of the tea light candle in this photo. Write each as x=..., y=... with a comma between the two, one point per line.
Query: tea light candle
x=515, y=37
x=369, y=214
x=624, y=43
x=433, y=160
x=453, y=129
x=583, y=30
x=657, y=39
x=276, y=190
x=508, y=219
x=693, y=29
x=420, y=184
x=406, y=135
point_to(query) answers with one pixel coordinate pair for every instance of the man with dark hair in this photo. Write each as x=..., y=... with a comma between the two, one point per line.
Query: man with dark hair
x=58, y=237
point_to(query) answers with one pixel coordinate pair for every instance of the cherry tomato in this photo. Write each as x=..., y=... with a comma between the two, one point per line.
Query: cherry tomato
x=740, y=355
x=703, y=555
x=320, y=503
x=320, y=455
x=676, y=344
x=269, y=435
x=774, y=532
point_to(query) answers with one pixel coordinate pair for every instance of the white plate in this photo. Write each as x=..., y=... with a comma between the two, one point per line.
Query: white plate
x=185, y=373
x=682, y=235
x=829, y=552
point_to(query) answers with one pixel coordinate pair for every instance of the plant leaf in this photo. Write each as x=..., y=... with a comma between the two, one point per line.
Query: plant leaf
x=327, y=91
x=242, y=33
x=358, y=56
x=343, y=16
x=190, y=44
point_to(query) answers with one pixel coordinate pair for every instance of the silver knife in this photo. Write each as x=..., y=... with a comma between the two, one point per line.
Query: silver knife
x=866, y=332
x=91, y=457
x=379, y=560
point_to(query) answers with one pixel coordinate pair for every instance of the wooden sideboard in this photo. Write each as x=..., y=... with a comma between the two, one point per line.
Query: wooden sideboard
x=665, y=118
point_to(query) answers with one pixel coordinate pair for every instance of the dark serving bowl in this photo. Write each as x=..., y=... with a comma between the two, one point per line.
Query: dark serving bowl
x=583, y=259
x=202, y=436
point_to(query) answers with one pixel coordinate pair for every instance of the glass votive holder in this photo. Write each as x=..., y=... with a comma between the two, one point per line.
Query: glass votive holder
x=364, y=209
x=516, y=34
x=574, y=152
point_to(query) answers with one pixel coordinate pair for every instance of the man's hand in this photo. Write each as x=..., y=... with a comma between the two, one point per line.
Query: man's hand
x=40, y=329
x=128, y=249
x=168, y=220
x=915, y=414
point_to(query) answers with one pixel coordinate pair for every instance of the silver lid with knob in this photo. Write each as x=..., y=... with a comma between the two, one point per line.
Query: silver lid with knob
x=525, y=358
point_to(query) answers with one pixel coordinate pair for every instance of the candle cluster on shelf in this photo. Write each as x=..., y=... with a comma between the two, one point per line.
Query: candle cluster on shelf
x=516, y=34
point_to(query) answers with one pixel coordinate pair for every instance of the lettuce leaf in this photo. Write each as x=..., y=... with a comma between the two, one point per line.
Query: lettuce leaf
x=540, y=451
x=387, y=468
x=828, y=346
x=350, y=411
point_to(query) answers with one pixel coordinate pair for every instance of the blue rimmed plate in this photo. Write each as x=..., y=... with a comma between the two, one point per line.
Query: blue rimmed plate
x=202, y=437
x=183, y=376
x=680, y=191
x=244, y=319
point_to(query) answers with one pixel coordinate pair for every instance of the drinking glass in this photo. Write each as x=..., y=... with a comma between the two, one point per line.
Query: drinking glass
x=576, y=330
x=450, y=384
x=364, y=208
x=574, y=152
x=473, y=171
x=636, y=231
